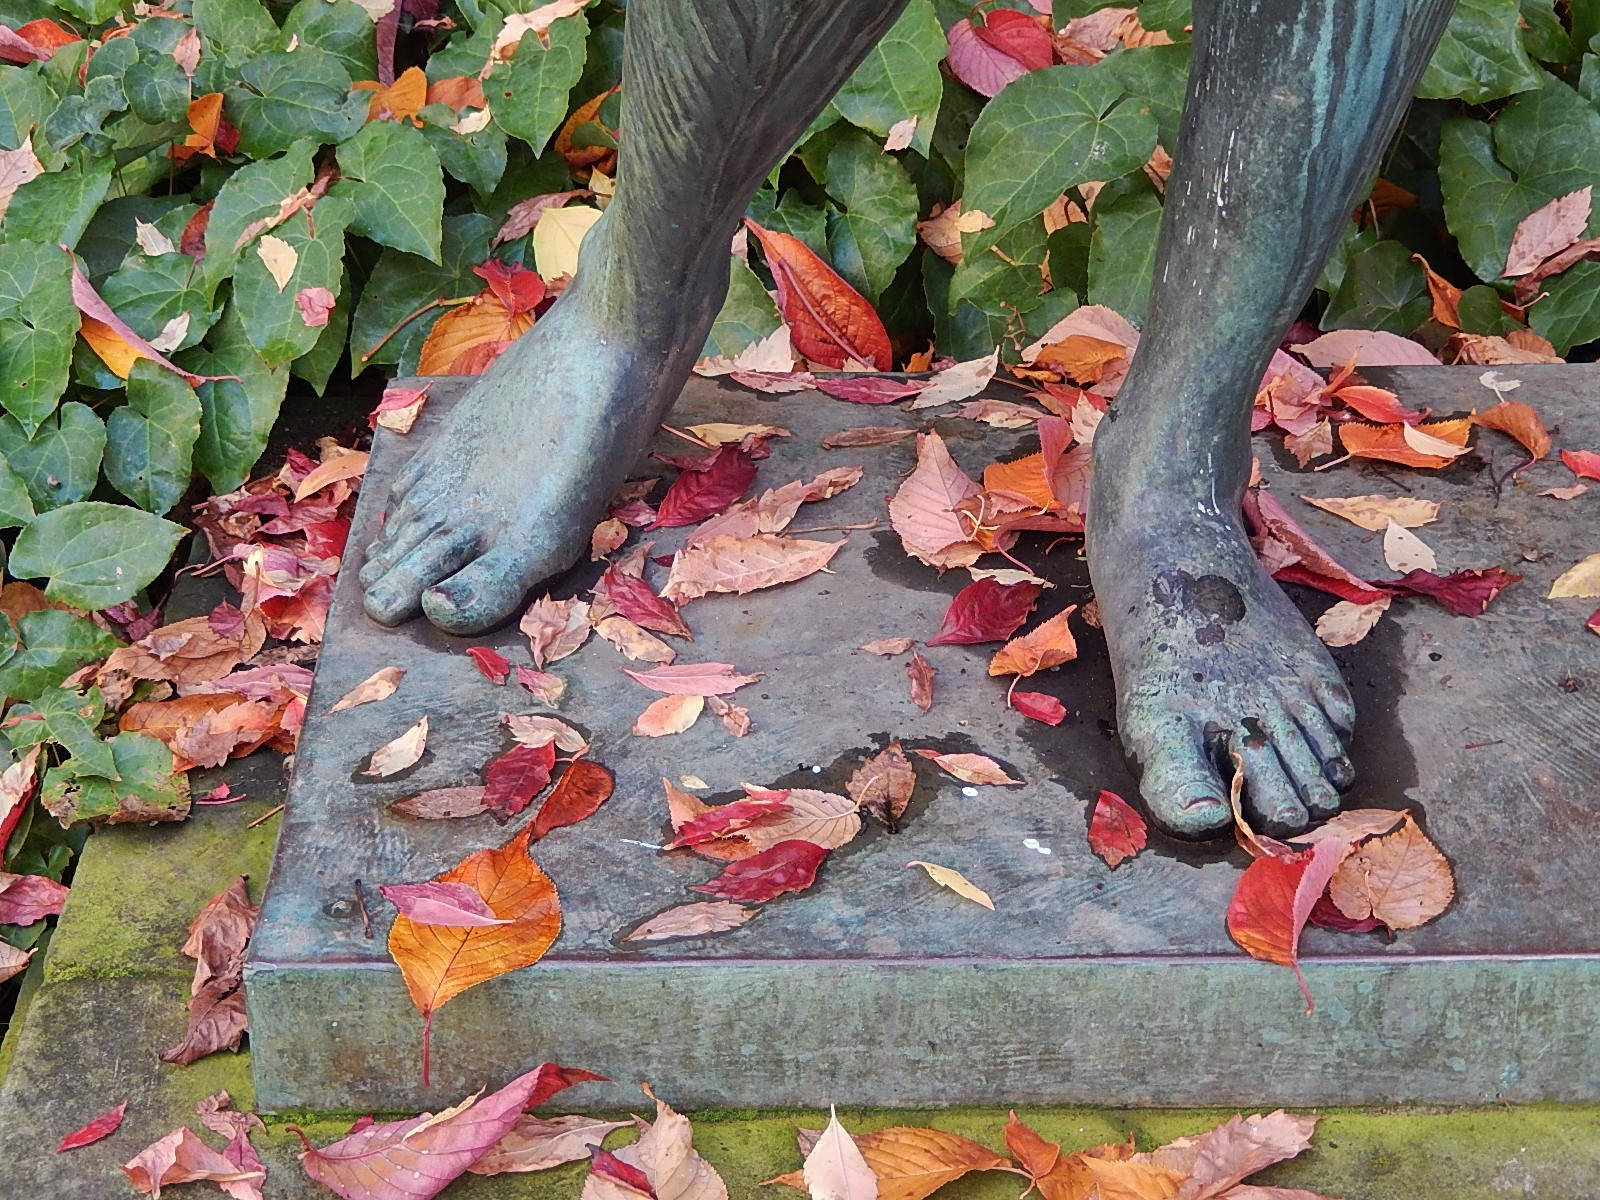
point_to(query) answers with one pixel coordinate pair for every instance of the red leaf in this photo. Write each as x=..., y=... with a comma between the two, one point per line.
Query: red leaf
x=609, y=1167
x=192, y=241
x=1465, y=593
x=102, y=1126
x=698, y=494
x=1017, y=36
x=986, y=611
x=516, y=777
x=829, y=321
x=632, y=598
x=1116, y=831
x=727, y=818
x=1039, y=706
x=787, y=867
x=871, y=389
x=1290, y=555
x=1326, y=914
x=583, y=788
x=920, y=672
x=548, y=1079
x=1273, y=900
x=1593, y=623
x=1585, y=464
x=495, y=666
x=518, y=288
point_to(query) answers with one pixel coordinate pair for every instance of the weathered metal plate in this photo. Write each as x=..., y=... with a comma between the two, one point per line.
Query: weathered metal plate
x=876, y=988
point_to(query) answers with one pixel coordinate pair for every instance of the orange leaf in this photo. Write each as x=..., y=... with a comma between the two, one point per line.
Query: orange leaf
x=1025, y=479
x=401, y=99
x=467, y=339
x=440, y=962
x=1081, y=357
x=1516, y=420
x=1048, y=645
x=1388, y=442
x=458, y=91
x=829, y=321
x=205, y=118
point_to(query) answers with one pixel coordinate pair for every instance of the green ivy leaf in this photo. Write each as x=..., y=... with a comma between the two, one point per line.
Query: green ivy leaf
x=392, y=178
x=1122, y=252
x=528, y=100
x=1543, y=33
x=150, y=439
x=236, y=415
x=25, y=101
x=272, y=317
x=878, y=227
x=95, y=12
x=1570, y=314
x=285, y=96
x=1046, y=132
x=69, y=720
x=1158, y=75
x=1544, y=145
x=1004, y=278
x=1382, y=289
x=83, y=117
x=477, y=159
x=16, y=506
x=1481, y=56
x=38, y=323
x=149, y=290
x=60, y=463
x=235, y=27
x=899, y=78
x=747, y=315
x=339, y=28
x=251, y=193
x=94, y=554
x=56, y=208
x=402, y=283
x=157, y=88
x=147, y=790
x=54, y=644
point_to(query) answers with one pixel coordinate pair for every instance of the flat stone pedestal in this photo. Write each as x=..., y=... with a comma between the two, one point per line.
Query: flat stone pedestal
x=877, y=988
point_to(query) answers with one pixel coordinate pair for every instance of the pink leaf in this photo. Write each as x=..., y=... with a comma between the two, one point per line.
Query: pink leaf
x=435, y=903
x=692, y=679
x=698, y=494
x=1019, y=36
x=1585, y=464
x=986, y=611
x=181, y=1157
x=316, y=303
x=102, y=1126
x=979, y=65
x=871, y=389
x=1369, y=347
x=787, y=867
x=727, y=819
x=25, y=899
x=607, y=1166
x=416, y=1159
x=496, y=667
x=1548, y=230
x=1116, y=831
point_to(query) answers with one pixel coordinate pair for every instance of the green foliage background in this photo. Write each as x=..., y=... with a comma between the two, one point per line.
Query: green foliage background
x=90, y=466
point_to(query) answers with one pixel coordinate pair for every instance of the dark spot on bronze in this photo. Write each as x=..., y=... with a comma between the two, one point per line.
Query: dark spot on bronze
x=1210, y=634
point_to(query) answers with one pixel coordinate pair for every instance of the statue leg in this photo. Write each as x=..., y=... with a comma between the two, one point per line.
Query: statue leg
x=1290, y=105
x=508, y=490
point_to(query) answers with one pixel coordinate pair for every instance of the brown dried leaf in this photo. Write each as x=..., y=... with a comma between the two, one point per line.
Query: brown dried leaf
x=441, y=804
x=920, y=672
x=744, y=564
x=1346, y=623
x=666, y=1154
x=554, y=628
x=888, y=647
x=537, y=730
x=1400, y=878
x=866, y=435
x=635, y=642
x=883, y=784
x=538, y=1143
x=735, y=719
x=1048, y=645
x=394, y=757
x=380, y=685
x=971, y=768
x=692, y=920
x=1374, y=512
x=923, y=509
x=823, y=818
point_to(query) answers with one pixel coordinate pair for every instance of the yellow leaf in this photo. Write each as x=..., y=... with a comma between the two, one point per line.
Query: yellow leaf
x=393, y=757
x=558, y=235
x=279, y=257
x=1374, y=512
x=955, y=881
x=1580, y=580
x=380, y=685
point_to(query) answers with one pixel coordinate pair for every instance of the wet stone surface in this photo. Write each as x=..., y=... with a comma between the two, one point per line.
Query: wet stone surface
x=874, y=986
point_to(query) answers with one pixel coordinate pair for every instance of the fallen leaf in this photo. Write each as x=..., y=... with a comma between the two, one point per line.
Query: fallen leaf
x=971, y=768
x=279, y=257
x=1465, y=593
x=910, y=1162
x=513, y=779
x=555, y=628
x=542, y=685
x=418, y=1158
x=883, y=785
x=1116, y=831
x=494, y=666
x=25, y=899
x=923, y=509
x=13, y=961
x=1346, y=623
x=538, y=730
x=920, y=672
x=1405, y=551
x=735, y=720
x=698, y=494
x=634, y=643
x=102, y=1126
x=1048, y=645
x=1548, y=229
x=435, y=903
x=670, y=714
x=1038, y=706
x=1516, y=420
x=440, y=962
x=1060, y=1176
x=1366, y=347
x=825, y=819
x=1400, y=879
x=835, y=1168
x=1565, y=493
x=740, y=565
x=17, y=782
x=888, y=647
x=1242, y=1145
x=665, y=1153
x=787, y=867
x=958, y=883
x=18, y=167
x=181, y=1157
x=316, y=305
x=380, y=685
x=960, y=381
x=1431, y=444
x=630, y=596
x=583, y=787
x=1289, y=554
x=441, y=804
x=217, y=939
x=1585, y=464
x=986, y=611
x=394, y=757
x=722, y=820
x=828, y=320
x=692, y=679
x=866, y=435
x=1376, y=512
x=1273, y=899
x=691, y=920
x=870, y=389
x=539, y=1143
x=188, y=651
x=399, y=408
x=728, y=433
x=616, y=1176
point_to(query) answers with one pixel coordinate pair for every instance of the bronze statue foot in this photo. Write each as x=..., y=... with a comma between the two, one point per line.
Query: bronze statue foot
x=1210, y=657
x=506, y=493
